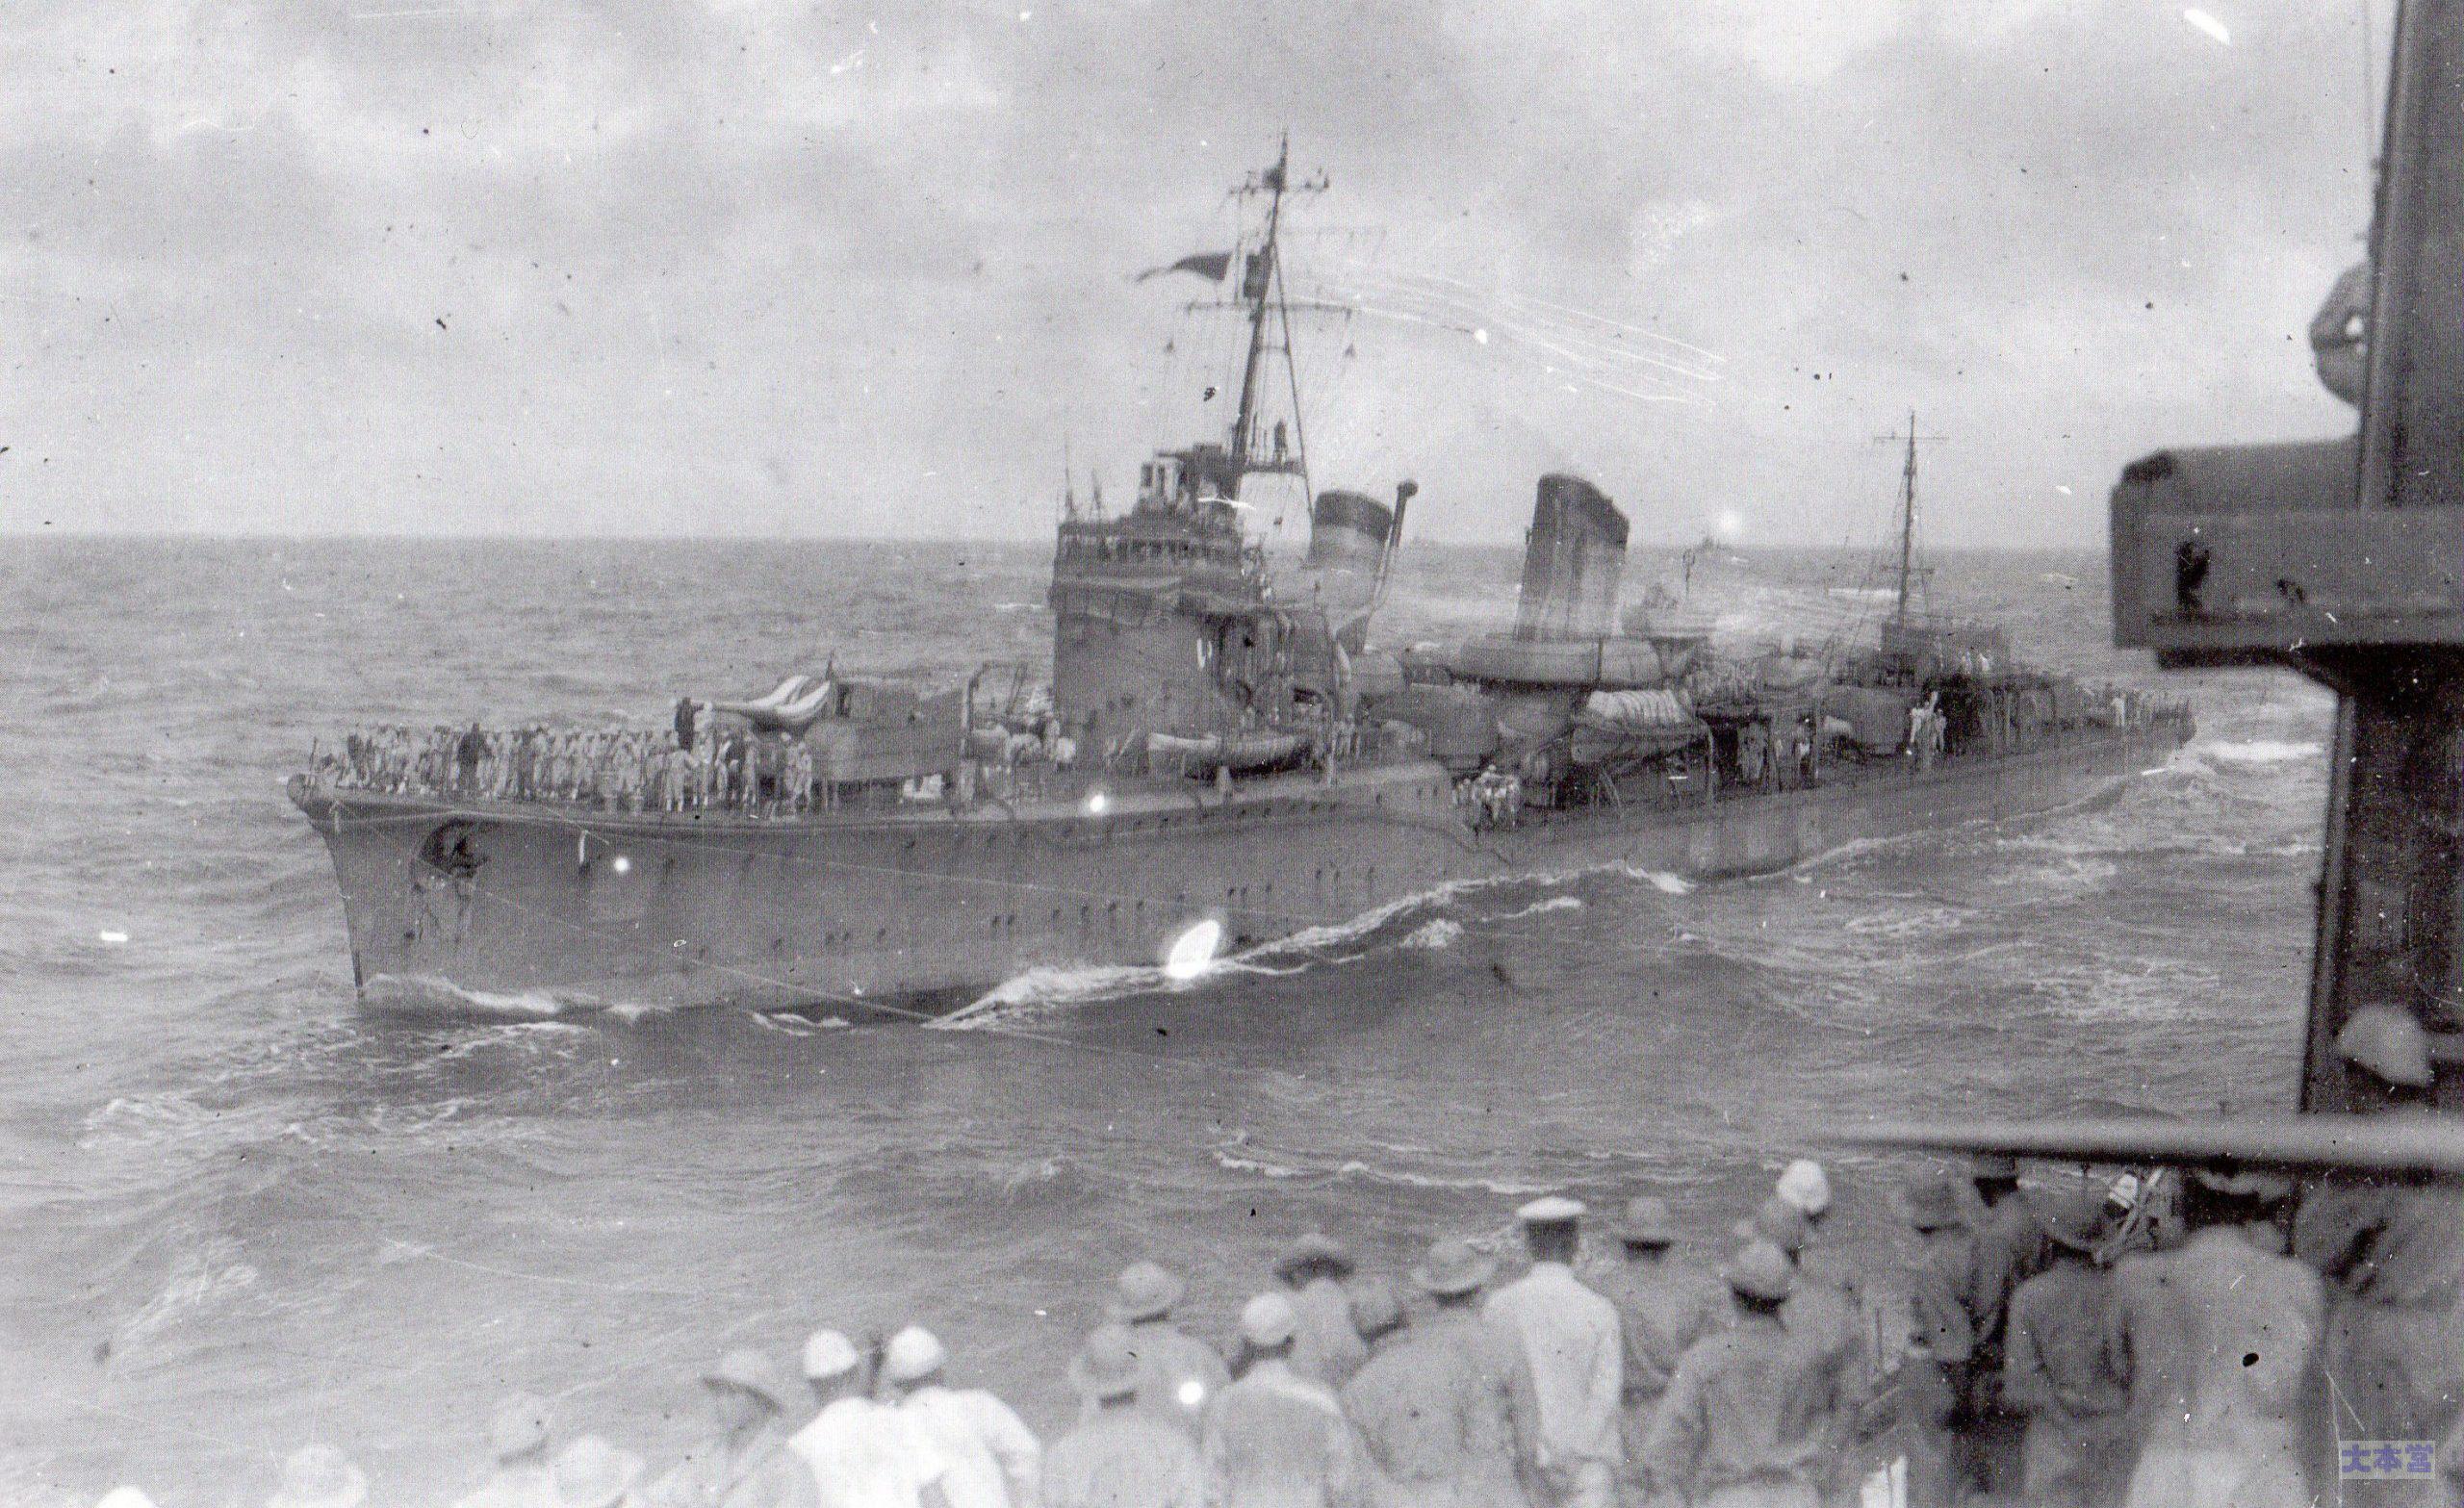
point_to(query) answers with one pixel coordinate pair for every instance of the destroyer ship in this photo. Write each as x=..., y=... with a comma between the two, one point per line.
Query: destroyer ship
x=1222, y=758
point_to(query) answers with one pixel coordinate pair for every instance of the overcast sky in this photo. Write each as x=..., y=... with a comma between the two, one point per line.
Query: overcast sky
x=751, y=266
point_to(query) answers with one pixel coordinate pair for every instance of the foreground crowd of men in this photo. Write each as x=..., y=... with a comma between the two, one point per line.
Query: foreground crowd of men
x=2154, y=1343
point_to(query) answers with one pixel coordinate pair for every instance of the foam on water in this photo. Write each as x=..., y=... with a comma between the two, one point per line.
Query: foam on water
x=2261, y=751
x=1505, y=1187
x=1041, y=991
x=1555, y=902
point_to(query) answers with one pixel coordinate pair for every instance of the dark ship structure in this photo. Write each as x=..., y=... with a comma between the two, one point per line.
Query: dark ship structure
x=1222, y=757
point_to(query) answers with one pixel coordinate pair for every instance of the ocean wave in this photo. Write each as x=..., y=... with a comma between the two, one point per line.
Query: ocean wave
x=1258, y=1166
x=1322, y=939
x=427, y=994
x=200, y=1280
x=1504, y=1186
x=1662, y=880
x=1050, y=987
x=1555, y=902
x=2261, y=751
x=1902, y=925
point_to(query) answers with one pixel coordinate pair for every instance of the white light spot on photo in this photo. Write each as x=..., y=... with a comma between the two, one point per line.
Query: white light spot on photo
x=1194, y=950
x=111, y=935
x=1096, y=802
x=621, y=864
x=2208, y=25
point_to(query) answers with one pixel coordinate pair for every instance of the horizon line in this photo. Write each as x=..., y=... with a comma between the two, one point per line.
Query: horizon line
x=405, y=537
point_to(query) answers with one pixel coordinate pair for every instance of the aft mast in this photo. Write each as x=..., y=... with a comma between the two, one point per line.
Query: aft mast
x=1907, y=519
x=1257, y=280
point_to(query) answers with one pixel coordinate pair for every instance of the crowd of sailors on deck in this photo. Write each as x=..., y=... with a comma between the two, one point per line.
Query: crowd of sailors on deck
x=2152, y=1341
x=688, y=769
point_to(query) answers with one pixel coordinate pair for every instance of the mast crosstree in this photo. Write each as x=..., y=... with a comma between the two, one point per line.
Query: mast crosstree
x=1908, y=569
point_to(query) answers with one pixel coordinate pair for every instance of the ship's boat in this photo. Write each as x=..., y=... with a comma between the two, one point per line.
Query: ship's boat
x=1235, y=751
x=1619, y=725
x=1619, y=664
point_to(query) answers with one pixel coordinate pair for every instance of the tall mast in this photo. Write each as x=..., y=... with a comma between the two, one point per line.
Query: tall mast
x=1257, y=290
x=1907, y=517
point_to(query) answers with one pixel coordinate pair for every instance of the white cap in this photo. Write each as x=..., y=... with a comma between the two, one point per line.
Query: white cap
x=915, y=1354
x=2124, y=1192
x=1550, y=1209
x=125, y=1497
x=1804, y=1184
x=1268, y=1320
x=830, y=1354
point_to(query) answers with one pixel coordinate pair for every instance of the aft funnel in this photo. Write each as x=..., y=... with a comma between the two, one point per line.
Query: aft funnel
x=1573, y=558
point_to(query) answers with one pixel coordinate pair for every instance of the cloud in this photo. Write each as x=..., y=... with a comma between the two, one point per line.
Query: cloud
x=467, y=264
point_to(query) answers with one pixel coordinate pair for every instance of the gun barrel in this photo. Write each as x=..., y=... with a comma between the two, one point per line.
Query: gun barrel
x=2411, y=1144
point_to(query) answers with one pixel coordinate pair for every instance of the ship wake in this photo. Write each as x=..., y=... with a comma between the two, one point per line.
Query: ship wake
x=1405, y=925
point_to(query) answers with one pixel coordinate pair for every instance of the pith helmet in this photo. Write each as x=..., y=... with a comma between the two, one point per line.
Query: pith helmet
x=830, y=1354
x=592, y=1474
x=1805, y=1185
x=1106, y=1367
x=913, y=1354
x=2388, y=1043
x=1760, y=1270
x=320, y=1476
x=2077, y=1219
x=1933, y=1202
x=1315, y=1249
x=755, y=1373
x=1374, y=1308
x=519, y=1424
x=1778, y=1222
x=1268, y=1321
x=1452, y=1266
x=1647, y=1223
x=2244, y=1183
x=1143, y=1290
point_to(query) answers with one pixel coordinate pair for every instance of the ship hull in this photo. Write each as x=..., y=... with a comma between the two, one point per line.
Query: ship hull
x=537, y=906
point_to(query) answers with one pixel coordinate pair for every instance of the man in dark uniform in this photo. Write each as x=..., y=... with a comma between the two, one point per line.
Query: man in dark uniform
x=2011, y=1248
x=1446, y=1411
x=1664, y=1305
x=2061, y=1370
x=1734, y=1430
